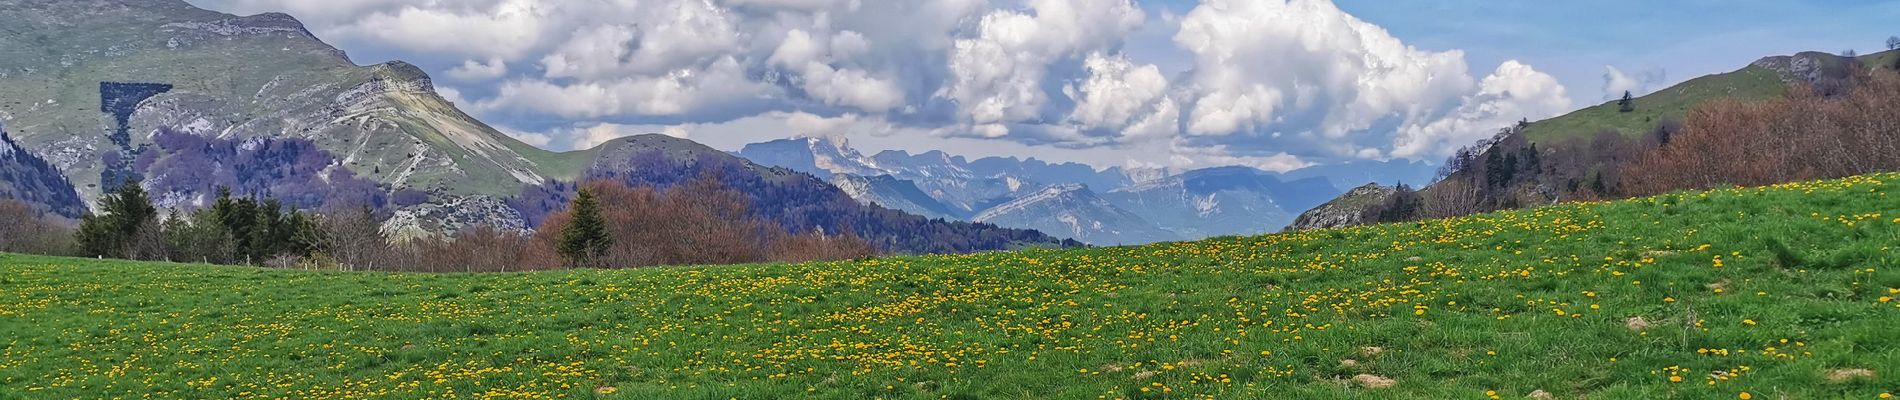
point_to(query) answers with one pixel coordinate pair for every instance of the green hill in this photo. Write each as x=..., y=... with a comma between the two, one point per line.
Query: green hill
x=1763, y=79
x=1782, y=292
x=1751, y=83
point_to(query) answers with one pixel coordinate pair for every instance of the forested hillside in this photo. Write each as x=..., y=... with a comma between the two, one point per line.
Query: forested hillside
x=27, y=178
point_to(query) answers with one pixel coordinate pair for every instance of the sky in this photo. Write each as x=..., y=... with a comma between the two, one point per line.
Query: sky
x=1272, y=84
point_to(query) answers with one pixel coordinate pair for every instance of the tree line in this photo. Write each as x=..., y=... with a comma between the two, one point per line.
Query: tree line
x=610, y=225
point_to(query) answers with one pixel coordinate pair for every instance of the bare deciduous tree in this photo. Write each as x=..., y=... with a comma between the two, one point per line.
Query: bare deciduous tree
x=1803, y=136
x=29, y=230
x=354, y=237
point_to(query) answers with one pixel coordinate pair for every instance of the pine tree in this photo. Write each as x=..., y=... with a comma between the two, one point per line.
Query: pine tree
x=1402, y=206
x=265, y=232
x=125, y=212
x=1532, y=164
x=1496, y=172
x=585, y=238
x=201, y=238
x=1627, y=104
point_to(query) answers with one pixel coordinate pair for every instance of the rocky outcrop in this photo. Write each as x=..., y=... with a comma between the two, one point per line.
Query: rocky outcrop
x=454, y=215
x=1810, y=66
x=1350, y=209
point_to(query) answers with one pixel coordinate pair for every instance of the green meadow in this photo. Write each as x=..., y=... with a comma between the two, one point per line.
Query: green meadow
x=1751, y=293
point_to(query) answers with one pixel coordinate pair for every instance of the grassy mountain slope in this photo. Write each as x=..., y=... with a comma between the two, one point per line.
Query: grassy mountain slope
x=1764, y=79
x=1751, y=83
x=1780, y=292
x=254, y=76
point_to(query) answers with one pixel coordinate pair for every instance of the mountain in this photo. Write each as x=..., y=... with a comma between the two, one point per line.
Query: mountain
x=889, y=191
x=151, y=64
x=1222, y=201
x=28, y=178
x=821, y=157
x=1074, y=211
x=1074, y=200
x=1360, y=172
x=951, y=180
x=797, y=201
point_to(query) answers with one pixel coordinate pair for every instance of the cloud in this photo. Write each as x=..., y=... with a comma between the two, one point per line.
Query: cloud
x=1271, y=84
x=1305, y=65
x=812, y=125
x=996, y=77
x=1303, y=73
x=1513, y=93
x=679, y=92
x=473, y=70
x=1188, y=157
x=538, y=139
x=1616, y=82
x=662, y=37
x=1118, y=95
x=320, y=12
x=814, y=60
x=507, y=29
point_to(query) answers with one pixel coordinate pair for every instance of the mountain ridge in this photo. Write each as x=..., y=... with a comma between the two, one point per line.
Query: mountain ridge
x=1219, y=201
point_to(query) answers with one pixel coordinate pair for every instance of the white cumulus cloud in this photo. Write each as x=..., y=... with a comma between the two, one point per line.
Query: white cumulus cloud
x=1122, y=96
x=1261, y=64
x=1513, y=93
x=507, y=29
x=1616, y=82
x=1265, y=83
x=676, y=93
x=473, y=70
x=996, y=77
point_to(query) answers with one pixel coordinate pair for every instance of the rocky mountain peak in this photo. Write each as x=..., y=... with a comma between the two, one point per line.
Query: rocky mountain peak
x=403, y=76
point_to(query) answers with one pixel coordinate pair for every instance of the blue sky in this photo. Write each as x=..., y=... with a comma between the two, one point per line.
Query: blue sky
x=1161, y=83
x=1574, y=40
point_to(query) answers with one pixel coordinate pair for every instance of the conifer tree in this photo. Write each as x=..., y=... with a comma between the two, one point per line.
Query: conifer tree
x=585, y=238
x=125, y=211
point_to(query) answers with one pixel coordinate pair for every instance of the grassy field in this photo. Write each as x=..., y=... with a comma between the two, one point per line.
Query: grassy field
x=1772, y=293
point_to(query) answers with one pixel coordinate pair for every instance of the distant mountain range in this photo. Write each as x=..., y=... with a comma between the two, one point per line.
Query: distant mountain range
x=1105, y=207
